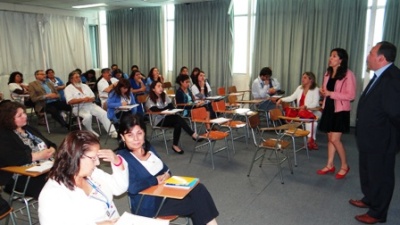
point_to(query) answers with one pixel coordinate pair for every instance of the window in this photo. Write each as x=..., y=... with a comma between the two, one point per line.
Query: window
x=244, y=17
x=169, y=37
x=94, y=44
x=103, y=39
x=374, y=29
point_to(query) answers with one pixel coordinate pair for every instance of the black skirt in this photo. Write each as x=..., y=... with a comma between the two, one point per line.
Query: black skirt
x=334, y=122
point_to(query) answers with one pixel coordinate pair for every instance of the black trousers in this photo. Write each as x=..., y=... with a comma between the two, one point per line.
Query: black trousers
x=55, y=108
x=177, y=122
x=198, y=205
x=377, y=181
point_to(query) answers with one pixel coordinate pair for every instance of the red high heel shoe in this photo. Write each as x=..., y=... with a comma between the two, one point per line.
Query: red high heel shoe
x=323, y=172
x=341, y=176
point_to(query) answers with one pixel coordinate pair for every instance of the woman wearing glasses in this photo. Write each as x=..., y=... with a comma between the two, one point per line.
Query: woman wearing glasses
x=147, y=169
x=78, y=192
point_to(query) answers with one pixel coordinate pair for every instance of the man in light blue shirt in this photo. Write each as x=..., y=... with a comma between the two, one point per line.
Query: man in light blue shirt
x=263, y=87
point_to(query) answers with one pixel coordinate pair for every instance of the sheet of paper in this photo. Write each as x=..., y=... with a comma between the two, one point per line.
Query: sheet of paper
x=130, y=219
x=219, y=120
x=43, y=166
x=171, y=111
x=128, y=106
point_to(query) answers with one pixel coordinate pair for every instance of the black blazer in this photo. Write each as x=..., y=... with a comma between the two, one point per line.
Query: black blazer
x=13, y=152
x=378, y=115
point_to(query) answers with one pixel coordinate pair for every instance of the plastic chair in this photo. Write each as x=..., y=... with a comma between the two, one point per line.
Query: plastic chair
x=276, y=145
x=276, y=116
x=220, y=107
x=200, y=116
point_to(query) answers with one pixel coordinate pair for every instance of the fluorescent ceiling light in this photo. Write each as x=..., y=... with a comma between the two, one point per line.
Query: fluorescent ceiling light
x=88, y=6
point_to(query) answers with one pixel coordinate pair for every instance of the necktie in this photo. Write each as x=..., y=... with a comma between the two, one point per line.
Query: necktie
x=370, y=84
x=262, y=84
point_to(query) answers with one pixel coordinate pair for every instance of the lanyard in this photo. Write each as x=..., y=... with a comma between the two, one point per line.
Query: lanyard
x=100, y=192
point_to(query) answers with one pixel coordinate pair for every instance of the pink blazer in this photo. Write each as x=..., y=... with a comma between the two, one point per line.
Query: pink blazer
x=344, y=92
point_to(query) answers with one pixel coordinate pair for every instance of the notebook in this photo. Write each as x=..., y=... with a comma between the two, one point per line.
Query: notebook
x=181, y=182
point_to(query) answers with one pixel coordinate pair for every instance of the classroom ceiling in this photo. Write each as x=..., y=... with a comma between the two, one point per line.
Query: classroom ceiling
x=111, y=4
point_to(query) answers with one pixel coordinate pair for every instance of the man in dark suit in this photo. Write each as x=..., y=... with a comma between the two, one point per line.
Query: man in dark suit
x=45, y=95
x=378, y=134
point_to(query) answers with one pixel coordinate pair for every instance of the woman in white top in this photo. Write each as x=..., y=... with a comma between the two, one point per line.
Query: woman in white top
x=307, y=97
x=78, y=192
x=201, y=89
x=18, y=89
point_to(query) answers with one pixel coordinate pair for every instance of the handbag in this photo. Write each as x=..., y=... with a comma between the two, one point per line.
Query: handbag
x=306, y=114
x=291, y=112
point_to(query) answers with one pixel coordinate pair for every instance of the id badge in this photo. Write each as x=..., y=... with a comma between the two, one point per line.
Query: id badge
x=42, y=146
x=110, y=212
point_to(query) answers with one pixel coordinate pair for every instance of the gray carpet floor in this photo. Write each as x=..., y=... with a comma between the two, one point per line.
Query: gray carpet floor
x=304, y=198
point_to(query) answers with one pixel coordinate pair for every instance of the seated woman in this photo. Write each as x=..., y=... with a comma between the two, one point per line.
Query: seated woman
x=159, y=101
x=137, y=87
x=194, y=74
x=146, y=169
x=120, y=96
x=154, y=75
x=19, y=89
x=78, y=192
x=21, y=144
x=201, y=89
x=307, y=96
x=184, y=96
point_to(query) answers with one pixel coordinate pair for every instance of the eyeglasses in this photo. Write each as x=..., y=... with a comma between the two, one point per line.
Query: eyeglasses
x=93, y=158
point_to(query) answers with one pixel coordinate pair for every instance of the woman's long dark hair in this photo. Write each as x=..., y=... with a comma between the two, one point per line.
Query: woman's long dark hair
x=342, y=70
x=127, y=123
x=122, y=83
x=198, y=85
x=152, y=95
x=67, y=159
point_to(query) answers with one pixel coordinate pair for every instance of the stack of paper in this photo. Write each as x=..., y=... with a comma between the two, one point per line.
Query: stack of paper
x=219, y=120
x=130, y=219
x=43, y=166
x=171, y=111
x=181, y=182
x=128, y=107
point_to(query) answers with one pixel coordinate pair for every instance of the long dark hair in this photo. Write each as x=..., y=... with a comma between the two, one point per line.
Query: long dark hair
x=152, y=95
x=198, y=85
x=151, y=74
x=342, y=70
x=67, y=160
x=193, y=74
x=126, y=125
x=11, y=79
x=122, y=83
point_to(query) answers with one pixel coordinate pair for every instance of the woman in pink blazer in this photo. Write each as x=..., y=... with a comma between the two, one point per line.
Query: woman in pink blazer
x=338, y=89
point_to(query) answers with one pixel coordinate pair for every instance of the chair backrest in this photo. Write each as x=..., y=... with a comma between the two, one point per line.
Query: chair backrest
x=274, y=114
x=232, y=99
x=167, y=85
x=232, y=89
x=199, y=113
x=218, y=106
x=254, y=123
x=221, y=91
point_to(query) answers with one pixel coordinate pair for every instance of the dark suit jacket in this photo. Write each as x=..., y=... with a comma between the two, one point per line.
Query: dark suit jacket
x=378, y=115
x=37, y=92
x=13, y=152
